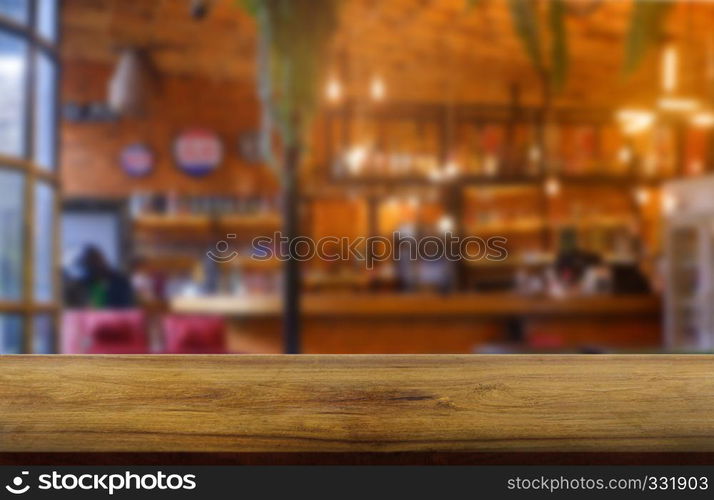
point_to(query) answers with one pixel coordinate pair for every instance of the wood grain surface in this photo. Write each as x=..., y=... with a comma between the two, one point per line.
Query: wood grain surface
x=282, y=404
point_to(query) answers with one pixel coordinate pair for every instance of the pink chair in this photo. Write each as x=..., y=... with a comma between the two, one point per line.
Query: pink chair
x=194, y=335
x=104, y=332
x=543, y=341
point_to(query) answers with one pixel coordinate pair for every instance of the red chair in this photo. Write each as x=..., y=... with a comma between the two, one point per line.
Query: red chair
x=104, y=332
x=194, y=335
x=543, y=341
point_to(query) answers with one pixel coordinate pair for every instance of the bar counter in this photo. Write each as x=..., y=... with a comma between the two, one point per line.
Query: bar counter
x=428, y=323
x=488, y=305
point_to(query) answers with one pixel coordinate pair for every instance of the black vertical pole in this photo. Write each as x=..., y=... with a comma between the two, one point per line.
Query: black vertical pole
x=291, y=288
x=372, y=223
x=455, y=210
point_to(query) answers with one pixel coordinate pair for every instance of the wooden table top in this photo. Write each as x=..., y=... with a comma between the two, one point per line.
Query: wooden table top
x=643, y=403
x=390, y=304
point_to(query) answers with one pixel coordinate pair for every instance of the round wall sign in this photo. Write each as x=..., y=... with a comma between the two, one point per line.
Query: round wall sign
x=198, y=152
x=137, y=160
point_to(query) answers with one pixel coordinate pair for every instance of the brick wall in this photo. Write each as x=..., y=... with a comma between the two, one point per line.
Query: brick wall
x=90, y=151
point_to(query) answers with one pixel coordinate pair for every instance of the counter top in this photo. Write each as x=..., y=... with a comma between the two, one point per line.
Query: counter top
x=653, y=403
x=380, y=304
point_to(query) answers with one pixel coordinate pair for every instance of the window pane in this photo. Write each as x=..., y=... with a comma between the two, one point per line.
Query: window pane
x=13, y=61
x=47, y=19
x=44, y=242
x=17, y=10
x=43, y=327
x=45, y=112
x=11, y=251
x=10, y=334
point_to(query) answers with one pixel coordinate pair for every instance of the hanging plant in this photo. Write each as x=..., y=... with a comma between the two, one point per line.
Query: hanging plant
x=293, y=39
x=646, y=23
x=647, y=20
x=527, y=25
x=559, y=44
x=533, y=37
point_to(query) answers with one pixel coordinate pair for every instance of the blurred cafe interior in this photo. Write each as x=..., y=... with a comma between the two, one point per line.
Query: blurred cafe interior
x=151, y=151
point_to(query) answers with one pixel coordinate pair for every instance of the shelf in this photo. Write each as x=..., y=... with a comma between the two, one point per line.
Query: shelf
x=533, y=226
x=249, y=263
x=262, y=221
x=168, y=262
x=204, y=223
x=514, y=227
x=510, y=263
x=188, y=262
x=592, y=221
x=496, y=180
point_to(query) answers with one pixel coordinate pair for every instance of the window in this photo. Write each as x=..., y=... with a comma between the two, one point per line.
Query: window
x=11, y=235
x=45, y=111
x=28, y=156
x=11, y=330
x=15, y=10
x=47, y=19
x=43, y=339
x=44, y=227
x=13, y=94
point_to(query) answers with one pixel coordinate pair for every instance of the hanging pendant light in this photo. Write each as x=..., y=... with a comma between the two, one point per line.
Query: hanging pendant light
x=333, y=90
x=377, y=89
x=672, y=100
x=552, y=187
x=669, y=67
x=642, y=196
x=130, y=84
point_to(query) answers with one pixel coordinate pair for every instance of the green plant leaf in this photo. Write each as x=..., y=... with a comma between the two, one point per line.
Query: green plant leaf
x=646, y=22
x=250, y=6
x=525, y=21
x=294, y=35
x=559, y=49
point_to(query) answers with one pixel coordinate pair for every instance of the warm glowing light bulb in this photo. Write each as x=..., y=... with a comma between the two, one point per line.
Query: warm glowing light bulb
x=355, y=158
x=451, y=170
x=624, y=156
x=333, y=90
x=490, y=165
x=436, y=175
x=552, y=187
x=534, y=154
x=634, y=121
x=377, y=89
x=669, y=203
x=446, y=224
x=678, y=104
x=642, y=195
x=703, y=120
x=670, y=61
